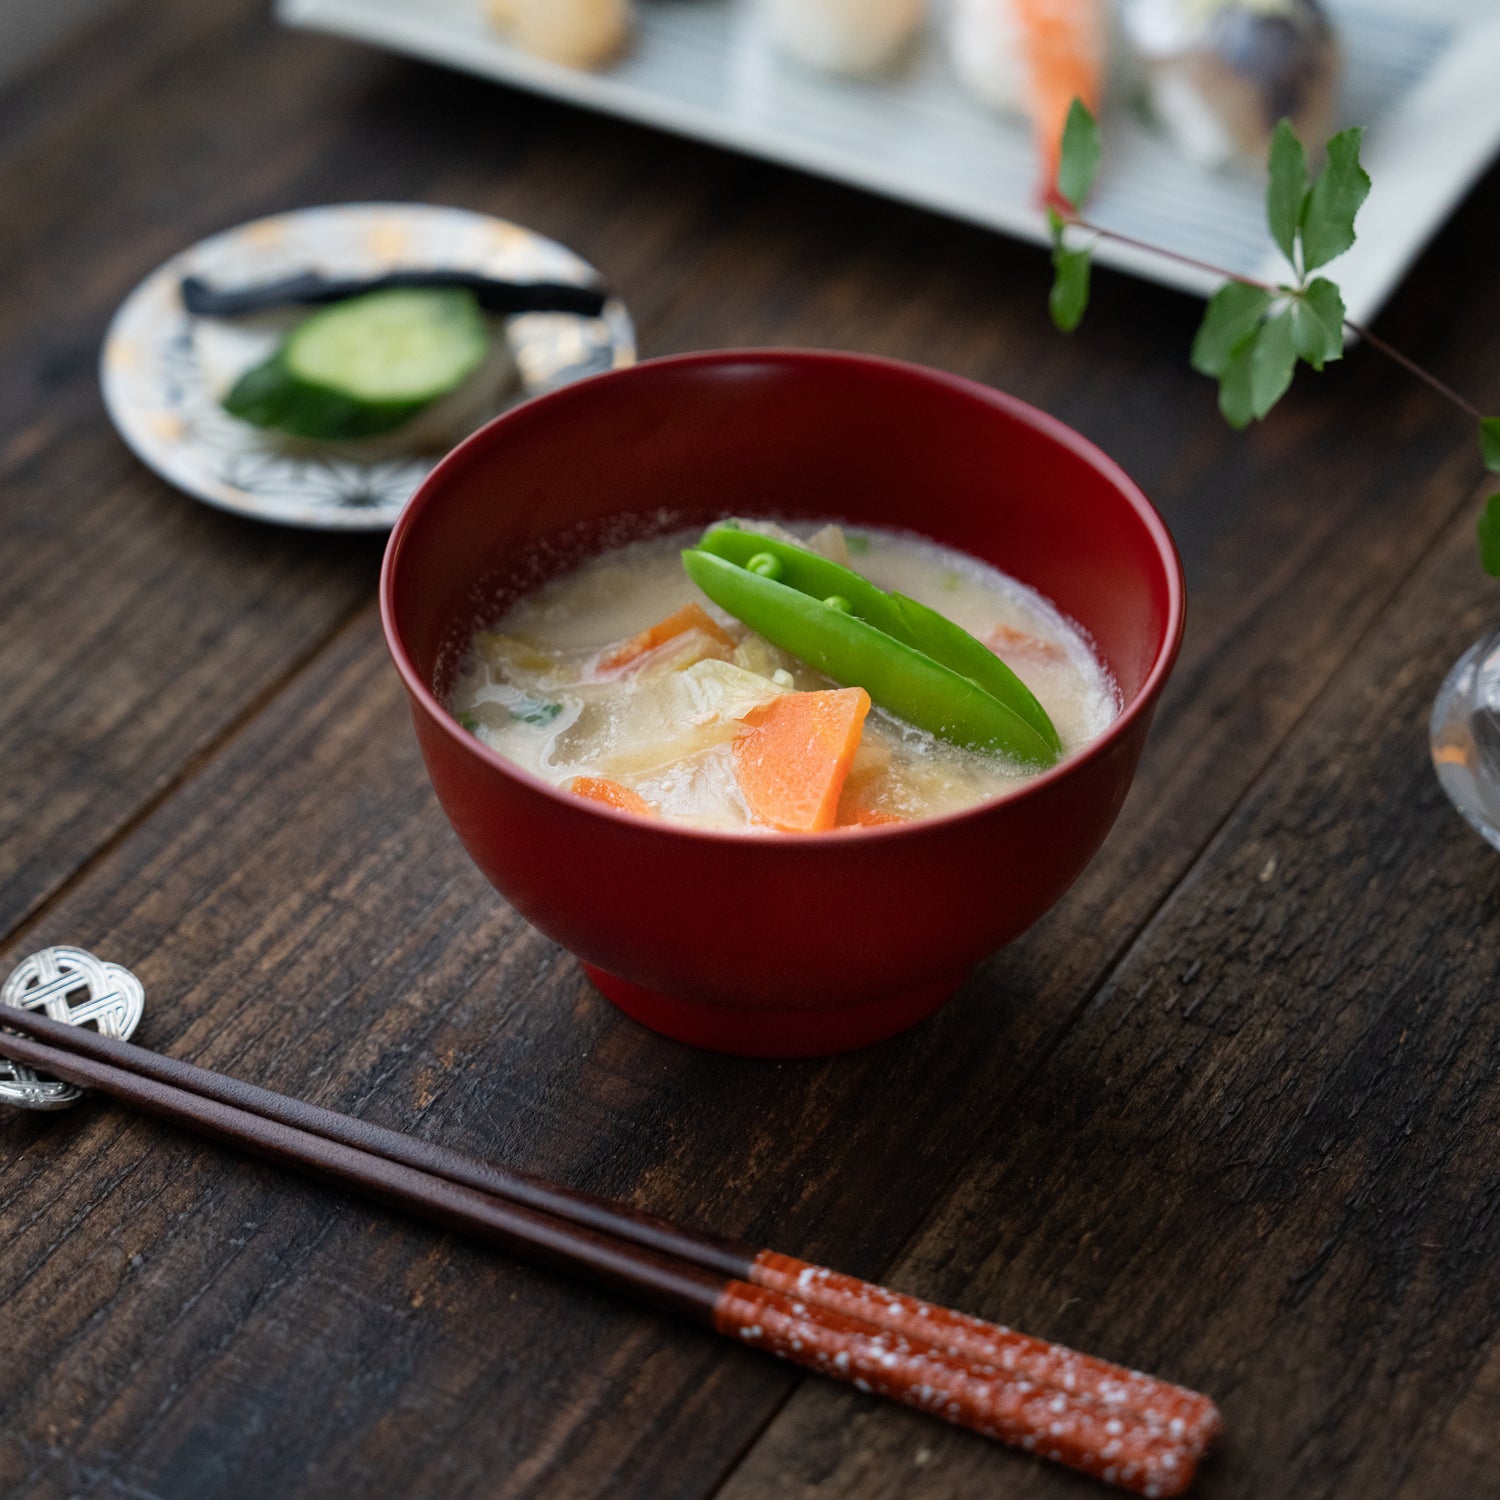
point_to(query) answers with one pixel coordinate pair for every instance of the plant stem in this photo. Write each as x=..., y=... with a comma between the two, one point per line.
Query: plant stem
x=1445, y=391
x=1165, y=254
x=1359, y=330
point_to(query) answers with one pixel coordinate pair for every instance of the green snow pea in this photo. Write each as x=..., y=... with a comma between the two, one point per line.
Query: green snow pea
x=909, y=658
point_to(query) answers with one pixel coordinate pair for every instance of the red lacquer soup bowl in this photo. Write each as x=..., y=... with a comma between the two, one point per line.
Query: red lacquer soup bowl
x=779, y=945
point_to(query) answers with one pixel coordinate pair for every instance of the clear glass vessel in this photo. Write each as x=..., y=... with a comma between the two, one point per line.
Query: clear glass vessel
x=1465, y=735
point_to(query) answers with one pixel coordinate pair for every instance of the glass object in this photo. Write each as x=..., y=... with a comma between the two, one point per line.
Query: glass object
x=1465, y=734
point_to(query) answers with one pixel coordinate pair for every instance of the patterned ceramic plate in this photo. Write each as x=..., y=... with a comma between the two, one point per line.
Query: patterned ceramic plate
x=163, y=371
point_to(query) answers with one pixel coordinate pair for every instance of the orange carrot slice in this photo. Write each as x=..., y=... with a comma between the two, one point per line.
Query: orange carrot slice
x=792, y=763
x=1064, y=49
x=858, y=815
x=611, y=794
x=1011, y=644
x=858, y=802
x=689, y=617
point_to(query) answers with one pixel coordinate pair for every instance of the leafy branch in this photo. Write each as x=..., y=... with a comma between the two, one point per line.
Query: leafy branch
x=1255, y=332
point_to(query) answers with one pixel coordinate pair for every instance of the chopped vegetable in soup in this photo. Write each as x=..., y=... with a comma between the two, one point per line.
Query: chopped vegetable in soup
x=916, y=686
x=914, y=661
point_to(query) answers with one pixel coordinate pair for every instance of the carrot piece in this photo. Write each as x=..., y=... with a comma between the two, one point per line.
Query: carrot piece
x=1008, y=643
x=1063, y=43
x=792, y=762
x=857, y=802
x=689, y=617
x=611, y=794
x=859, y=816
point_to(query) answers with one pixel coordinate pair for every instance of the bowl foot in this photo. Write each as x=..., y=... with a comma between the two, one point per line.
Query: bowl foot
x=745, y=1032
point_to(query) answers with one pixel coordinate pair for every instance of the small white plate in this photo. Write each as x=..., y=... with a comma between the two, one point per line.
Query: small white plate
x=163, y=371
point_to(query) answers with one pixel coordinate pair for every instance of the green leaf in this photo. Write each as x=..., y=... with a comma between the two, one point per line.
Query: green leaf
x=1070, y=287
x=1231, y=318
x=1255, y=376
x=1342, y=186
x=1489, y=537
x=1056, y=224
x=1272, y=362
x=1489, y=443
x=1079, y=162
x=1235, y=399
x=1287, y=190
x=1318, y=323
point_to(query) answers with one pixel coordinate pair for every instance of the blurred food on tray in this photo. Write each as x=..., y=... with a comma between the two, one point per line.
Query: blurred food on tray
x=846, y=36
x=1220, y=73
x=1213, y=75
x=575, y=33
x=1033, y=58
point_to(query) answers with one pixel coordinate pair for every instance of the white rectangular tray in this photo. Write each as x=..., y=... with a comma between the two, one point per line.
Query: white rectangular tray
x=1419, y=73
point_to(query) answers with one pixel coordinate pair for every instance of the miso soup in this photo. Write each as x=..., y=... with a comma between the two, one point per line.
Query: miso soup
x=623, y=682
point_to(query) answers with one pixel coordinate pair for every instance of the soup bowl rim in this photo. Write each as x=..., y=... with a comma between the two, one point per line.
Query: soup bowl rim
x=1057, y=431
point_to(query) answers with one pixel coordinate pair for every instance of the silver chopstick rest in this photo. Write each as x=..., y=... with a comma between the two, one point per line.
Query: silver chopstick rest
x=71, y=985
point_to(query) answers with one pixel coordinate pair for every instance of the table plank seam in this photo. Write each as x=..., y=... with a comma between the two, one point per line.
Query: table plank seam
x=188, y=771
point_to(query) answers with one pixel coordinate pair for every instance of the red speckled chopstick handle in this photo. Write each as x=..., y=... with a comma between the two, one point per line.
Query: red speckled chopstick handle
x=1041, y=1419
x=1117, y=1424
x=1188, y=1418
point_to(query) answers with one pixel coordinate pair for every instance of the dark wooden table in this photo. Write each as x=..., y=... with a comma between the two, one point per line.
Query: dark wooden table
x=1229, y=1113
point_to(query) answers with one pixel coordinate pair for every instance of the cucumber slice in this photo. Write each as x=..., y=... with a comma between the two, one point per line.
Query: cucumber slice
x=406, y=346
x=366, y=365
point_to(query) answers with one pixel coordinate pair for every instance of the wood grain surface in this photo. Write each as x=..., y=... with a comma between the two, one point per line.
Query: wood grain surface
x=1229, y=1113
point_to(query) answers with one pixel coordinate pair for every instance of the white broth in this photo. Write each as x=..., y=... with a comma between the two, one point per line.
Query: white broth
x=564, y=687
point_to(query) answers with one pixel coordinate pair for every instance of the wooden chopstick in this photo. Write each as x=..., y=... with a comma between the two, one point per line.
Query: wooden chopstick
x=664, y=1281
x=1124, y=1427
x=713, y=1252
x=976, y=1340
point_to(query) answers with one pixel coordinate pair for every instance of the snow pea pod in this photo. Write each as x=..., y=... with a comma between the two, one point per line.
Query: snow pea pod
x=808, y=573
x=937, y=636
x=904, y=655
x=904, y=619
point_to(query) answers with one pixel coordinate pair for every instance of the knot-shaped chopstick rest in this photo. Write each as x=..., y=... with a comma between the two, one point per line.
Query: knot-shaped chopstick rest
x=71, y=985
